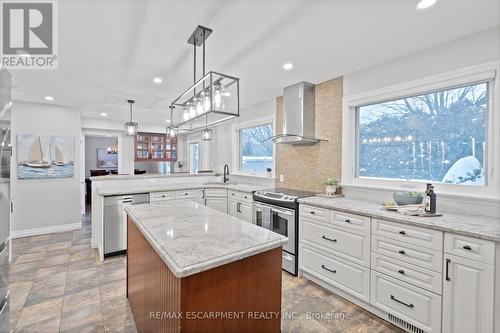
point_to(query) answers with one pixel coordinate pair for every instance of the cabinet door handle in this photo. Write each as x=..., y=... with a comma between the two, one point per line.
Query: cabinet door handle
x=401, y=272
x=238, y=207
x=347, y=221
x=312, y=212
x=328, y=269
x=203, y=194
x=467, y=247
x=402, y=252
x=448, y=269
x=402, y=232
x=401, y=302
x=329, y=239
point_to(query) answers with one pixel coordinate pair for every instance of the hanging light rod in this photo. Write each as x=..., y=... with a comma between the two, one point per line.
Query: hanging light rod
x=211, y=99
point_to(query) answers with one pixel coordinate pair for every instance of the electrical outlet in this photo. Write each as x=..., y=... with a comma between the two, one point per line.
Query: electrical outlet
x=282, y=178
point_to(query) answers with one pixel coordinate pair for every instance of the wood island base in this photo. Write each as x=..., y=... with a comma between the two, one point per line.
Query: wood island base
x=242, y=296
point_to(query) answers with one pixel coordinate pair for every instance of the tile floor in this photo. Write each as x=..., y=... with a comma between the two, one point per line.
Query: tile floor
x=58, y=284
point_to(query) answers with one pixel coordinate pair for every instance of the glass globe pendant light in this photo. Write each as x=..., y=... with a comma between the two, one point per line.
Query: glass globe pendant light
x=171, y=130
x=218, y=97
x=131, y=128
x=206, y=133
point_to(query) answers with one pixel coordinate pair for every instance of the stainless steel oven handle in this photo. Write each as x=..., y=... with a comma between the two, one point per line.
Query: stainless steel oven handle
x=284, y=212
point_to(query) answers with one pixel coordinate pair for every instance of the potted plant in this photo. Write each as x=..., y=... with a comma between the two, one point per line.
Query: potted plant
x=331, y=185
x=269, y=172
x=180, y=164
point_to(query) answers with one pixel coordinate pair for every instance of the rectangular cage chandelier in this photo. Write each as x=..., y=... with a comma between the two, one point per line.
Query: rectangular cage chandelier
x=210, y=100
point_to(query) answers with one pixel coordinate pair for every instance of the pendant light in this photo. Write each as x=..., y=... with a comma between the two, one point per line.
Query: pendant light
x=171, y=130
x=131, y=128
x=214, y=94
x=113, y=149
x=206, y=133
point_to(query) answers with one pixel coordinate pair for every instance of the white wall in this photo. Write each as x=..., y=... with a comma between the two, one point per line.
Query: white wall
x=45, y=205
x=91, y=145
x=472, y=50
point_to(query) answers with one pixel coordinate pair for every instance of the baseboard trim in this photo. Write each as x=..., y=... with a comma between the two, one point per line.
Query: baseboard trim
x=45, y=230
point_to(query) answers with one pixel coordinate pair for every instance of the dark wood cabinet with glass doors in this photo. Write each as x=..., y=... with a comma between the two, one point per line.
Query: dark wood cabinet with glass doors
x=155, y=147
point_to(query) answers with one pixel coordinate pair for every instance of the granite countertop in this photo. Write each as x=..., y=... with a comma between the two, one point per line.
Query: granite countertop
x=192, y=238
x=484, y=227
x=152, y=175
x=147, y=188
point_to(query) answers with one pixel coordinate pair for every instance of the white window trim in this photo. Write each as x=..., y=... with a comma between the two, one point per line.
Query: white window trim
x=483, y=72
x=236, y=144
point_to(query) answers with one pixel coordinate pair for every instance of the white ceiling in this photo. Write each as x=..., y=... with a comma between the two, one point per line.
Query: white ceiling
x=110, y=50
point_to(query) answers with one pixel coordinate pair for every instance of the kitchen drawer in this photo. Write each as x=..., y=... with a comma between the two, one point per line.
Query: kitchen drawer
x=215, y=192
x=470, y=247
x=161, y=196
x=412, y=254
x=432, y=239
x=185, y=194
x=241, y=196
x=417, y=276
x=347, y=276
x=412, y=304
x=351, y=246
x=351, y=221
x=320, y=214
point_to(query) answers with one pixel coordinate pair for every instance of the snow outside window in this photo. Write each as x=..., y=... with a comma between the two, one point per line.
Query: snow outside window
x=438, y=137
x=256, y=150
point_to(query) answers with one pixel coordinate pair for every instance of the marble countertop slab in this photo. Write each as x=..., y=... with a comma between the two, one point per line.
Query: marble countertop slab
x=148, y=188
x=484, y=227
x=192, y=238
x=152, y=175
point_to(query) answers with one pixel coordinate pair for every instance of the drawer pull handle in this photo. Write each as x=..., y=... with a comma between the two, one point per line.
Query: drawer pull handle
x=402, y=252
x=402, y=232
x=329, y=239
x=347, y=221
x=448, y=269
x=312, y=212
x=401, y=302
x=328, y=269
x=401, y=272
x=467, y=247
x=163, y=196
x=186, y=193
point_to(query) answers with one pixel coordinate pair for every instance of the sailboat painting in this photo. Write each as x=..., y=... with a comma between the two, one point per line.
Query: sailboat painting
x=45, y=156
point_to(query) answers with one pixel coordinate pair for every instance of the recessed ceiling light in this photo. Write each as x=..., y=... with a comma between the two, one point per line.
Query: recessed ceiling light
x=104, y=114
x=157, y=80
x=287, y=66
x=168, y=121
x=49, y=98
x=423, y=4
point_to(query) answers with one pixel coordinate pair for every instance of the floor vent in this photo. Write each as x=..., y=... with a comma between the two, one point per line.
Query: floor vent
x=403, y=324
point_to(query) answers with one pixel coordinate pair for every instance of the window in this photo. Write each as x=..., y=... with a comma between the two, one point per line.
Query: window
x=194, y=157
x=439, y=136
x=255, y=149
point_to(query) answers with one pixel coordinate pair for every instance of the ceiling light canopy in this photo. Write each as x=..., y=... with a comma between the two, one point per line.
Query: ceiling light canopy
x=104, y=114
x=210, y=100
x=131, y=128
x=287, y=66
x=423, y=4
x=157, y=80
x=49, y=98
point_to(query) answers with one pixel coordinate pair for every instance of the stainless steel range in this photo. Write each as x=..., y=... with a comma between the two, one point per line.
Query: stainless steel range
x=278, y=210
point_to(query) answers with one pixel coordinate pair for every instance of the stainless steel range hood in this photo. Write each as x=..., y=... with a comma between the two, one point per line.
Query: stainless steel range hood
x=298, y=115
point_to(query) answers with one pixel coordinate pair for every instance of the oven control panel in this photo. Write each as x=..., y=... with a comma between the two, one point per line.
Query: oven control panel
x=275, y=196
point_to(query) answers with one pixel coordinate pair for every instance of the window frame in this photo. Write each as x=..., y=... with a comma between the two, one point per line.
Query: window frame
x=270, y=120
x=476, y=74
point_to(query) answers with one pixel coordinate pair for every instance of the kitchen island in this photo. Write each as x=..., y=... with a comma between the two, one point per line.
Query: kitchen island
x=191, y=268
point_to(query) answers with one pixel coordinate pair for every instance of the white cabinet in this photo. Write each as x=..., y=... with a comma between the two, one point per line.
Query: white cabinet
x=240, y=209
x=217, y=203
x=468, y=296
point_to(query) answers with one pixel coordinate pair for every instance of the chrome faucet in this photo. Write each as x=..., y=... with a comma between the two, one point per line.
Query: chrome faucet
x=226, y=173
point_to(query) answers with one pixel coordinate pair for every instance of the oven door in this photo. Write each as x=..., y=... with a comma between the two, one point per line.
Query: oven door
x=283, y=222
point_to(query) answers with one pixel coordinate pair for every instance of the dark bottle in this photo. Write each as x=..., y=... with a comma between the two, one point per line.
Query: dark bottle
x=430, y=201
